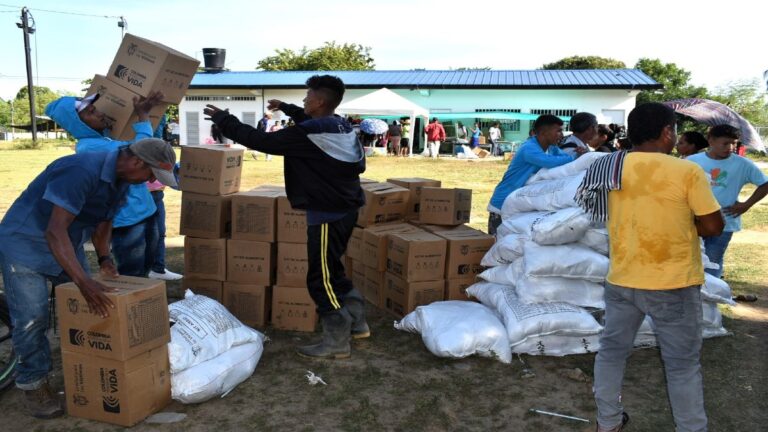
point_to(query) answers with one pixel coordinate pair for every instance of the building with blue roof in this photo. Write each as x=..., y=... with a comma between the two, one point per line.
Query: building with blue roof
x=608, y=93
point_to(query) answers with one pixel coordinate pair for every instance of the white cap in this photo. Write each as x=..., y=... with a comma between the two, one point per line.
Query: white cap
x=83, y=103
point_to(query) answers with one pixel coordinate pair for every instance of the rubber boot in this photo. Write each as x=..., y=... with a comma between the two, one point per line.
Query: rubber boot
x=335, y=340
x=355, y=304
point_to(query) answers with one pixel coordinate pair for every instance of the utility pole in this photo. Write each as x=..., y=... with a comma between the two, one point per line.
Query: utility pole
x=24, y=26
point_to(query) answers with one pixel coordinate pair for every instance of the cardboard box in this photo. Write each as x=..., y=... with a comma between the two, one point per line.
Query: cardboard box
x=205, y=258
x=210, y=169
x=254, y=215
x=384, y=202
x=414, y=185
x=208, y=288
x=291, y=224
x=357, y=274
x=402, y=297
x=355, y=245
x=143, y=66
x=364, y=180
x=293, y=309
x=466, y=250
x=114, y=391
x=373, y=289
x=374, y=245
x=248, y=302
x=481, y=153
x=116, y=102
x=139, y=321
x=416, y=256
x=250, y=262
x=292, y=265
x=436, y=229
x=205, y=216
x=456, y=289
x=445, y=206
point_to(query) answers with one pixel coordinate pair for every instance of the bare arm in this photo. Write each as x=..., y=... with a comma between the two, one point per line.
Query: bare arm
x=739, y=208
x=61, y=247
x=100, y=239
x=710, y=225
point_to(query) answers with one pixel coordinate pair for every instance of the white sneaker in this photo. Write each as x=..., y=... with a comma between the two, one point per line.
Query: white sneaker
x=167, y=275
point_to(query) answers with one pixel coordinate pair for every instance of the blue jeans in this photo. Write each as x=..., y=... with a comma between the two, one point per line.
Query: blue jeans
x=677, y=316
x=134, y=247
x=715, y=247
x=158, y=266
x=27, y=293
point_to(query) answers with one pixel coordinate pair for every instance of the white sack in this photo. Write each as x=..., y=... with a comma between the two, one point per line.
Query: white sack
x=563, y=226
x=519, y=223
x=716, y=290
x=597, y=240
x=546, y=195
x=577, y=292
x=712, y=321
x=506, y=250
x=217, y=376
x=556, y=345
x=524, y=321
x=581, y=164
x=572, y=261
x=458, y=329
x=504, y=274
x=203, y=329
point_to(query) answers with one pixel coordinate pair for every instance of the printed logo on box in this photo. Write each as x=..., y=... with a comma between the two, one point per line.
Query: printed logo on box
x=131, y=76
x=109, y=386
x=95, y=340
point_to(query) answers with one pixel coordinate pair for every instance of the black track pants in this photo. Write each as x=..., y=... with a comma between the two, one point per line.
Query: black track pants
x=326, y=280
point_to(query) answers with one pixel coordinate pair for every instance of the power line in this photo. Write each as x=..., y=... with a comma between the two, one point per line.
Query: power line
x=64, y=12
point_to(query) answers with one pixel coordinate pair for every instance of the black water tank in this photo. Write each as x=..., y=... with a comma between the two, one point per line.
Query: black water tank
x=214, y=58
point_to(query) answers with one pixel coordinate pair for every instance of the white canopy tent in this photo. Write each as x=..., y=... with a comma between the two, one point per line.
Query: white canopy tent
x=385, y=102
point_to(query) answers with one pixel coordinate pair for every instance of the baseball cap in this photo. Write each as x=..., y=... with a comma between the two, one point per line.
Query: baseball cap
x=83, y=103
x=159, y=155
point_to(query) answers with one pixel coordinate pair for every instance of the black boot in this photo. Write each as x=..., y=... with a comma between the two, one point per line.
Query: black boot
x=43, y=403
x=335, y=339
x=355, y=304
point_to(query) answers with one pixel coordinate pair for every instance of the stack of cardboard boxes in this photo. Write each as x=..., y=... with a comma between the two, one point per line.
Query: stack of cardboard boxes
x=411, y=248
x=140, y=67
x=116, y=368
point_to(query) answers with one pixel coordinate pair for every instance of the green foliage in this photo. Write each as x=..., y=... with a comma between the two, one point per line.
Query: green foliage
x=43, y=96
x=330, y=56
x=676, y=82
x=747, y=99
x=28, y=144
x=172, y=112
x=87, y=83
x=585, y=62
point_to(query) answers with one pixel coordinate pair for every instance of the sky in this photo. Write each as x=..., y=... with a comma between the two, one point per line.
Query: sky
x=718, y=43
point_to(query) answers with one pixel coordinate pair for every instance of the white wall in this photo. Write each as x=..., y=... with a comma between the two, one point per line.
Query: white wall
x=448, y=100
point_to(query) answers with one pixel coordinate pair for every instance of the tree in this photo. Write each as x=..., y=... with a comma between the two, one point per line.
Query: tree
x=43, y=96
x=585, y=62
x=746, y=98
x=676, y=82
x=330, y=56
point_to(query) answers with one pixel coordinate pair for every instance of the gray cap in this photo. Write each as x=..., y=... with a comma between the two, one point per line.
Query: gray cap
x=159, y=155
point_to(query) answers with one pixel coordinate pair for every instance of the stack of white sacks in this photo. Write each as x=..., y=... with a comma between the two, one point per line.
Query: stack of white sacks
x=546, y=274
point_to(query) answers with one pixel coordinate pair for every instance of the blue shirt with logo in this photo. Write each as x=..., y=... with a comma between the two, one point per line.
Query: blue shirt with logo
x=82, y=184
x=727, y=177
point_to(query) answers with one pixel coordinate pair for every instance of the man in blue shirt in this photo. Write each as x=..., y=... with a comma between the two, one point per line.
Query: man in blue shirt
x=135, y=232
x=728, y=173
x=41, y=239
x=538, y=151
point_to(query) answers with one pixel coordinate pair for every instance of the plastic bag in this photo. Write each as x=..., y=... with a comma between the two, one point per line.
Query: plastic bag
x=572, y=261
x=458, y=329
x=597, y=240
x=546, y=195
x=577, y=292
x=530, y=321
x=503, y=275
x=557, y=345
x=505, y=251
x=716, y=290
x=563, y=226
x=519, y=223
x=217, y=376
x=203, y=329
x=581, y=164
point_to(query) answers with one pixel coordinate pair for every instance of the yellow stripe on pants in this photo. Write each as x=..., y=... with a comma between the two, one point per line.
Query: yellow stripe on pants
x=324, y=266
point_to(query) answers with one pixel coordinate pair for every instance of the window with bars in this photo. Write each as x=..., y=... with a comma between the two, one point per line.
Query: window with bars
x=564, y=112
x=504, y=125
x=192, y=120
x=220, y=98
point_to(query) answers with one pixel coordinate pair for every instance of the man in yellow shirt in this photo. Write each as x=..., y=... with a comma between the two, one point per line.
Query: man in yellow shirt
x=654, y=222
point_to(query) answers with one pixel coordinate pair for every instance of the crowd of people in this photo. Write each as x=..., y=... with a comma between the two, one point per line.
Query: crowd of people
x=654, y=206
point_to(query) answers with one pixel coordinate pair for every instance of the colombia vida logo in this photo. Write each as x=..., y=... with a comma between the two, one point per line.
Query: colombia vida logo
x=121, y=72
x=109, y=401
x=76, y=337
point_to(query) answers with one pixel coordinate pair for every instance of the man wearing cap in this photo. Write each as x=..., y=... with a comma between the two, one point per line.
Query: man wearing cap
x=42, y=236
x=134, y=232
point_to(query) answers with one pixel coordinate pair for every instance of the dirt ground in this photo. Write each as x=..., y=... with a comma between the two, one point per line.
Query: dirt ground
x=393, y=383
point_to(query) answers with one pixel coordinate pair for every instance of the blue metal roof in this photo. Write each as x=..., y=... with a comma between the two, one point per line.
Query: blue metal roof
x=438, y=79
